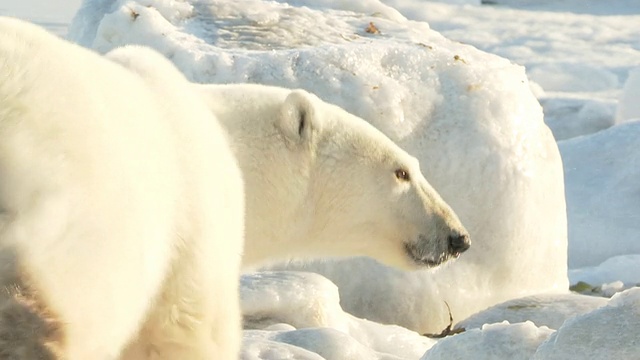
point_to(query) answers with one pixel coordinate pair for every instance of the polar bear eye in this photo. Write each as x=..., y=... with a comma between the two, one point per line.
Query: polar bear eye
x=402, y=175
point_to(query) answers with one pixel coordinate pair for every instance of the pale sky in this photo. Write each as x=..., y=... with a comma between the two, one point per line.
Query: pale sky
x=54, y=10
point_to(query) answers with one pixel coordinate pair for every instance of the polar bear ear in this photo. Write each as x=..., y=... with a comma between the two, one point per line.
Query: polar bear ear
x=298, y=121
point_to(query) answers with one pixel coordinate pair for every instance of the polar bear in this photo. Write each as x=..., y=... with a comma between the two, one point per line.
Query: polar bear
x=121, y=207
x=321, y=182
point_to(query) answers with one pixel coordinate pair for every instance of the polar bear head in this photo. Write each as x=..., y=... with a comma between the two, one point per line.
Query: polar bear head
x=322, y=182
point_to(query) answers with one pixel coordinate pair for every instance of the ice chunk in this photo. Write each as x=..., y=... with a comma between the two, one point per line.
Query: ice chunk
x=496, y=341
x=329, y=343
x=610, y=332
x=261, y=348
x=296, y=298
x=610, y=289
x=549, y=310
x=303, y=309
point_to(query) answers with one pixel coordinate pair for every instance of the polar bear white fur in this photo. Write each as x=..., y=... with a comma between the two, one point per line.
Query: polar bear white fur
x=121, y=207
x=322, y=182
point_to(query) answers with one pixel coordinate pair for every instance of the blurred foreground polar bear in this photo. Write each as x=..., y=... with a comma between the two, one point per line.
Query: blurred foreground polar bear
x=121, y=207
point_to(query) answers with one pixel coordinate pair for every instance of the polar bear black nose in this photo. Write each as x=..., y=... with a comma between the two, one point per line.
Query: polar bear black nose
x=458, y=243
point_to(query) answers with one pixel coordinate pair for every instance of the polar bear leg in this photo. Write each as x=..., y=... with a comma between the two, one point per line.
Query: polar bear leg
x=28, y=329
x=196, y=315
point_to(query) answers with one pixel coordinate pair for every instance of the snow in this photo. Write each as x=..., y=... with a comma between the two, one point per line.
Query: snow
x=601, y=172
x=581, y=58
x=629, y=105
x=578, y=51
x=256, y=347
x=610, y=332
x=494, y=341
x=549, y=310
x=572, y=116
x=624, y=268
x=606, y=331
x=302, y=309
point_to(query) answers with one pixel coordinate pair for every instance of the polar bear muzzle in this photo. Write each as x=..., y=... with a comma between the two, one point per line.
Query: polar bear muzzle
x=421, y=252
x=458, y=244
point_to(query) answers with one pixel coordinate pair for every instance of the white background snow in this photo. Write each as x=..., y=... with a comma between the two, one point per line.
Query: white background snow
x=582, y=58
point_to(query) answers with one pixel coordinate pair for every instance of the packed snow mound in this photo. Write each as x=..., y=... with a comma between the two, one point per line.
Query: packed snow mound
x=302, y=309
x=601, y=177
x=610, y=332
x=468, y=116
x=629, y=103
x=561, y=43
x=494, y=341
x=296, y=298
x=550, y=310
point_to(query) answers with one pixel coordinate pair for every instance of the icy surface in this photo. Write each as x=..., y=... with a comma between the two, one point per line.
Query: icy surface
x=610, y=332
x=257, y=346
x=270, y=298
x=495, y=341
x=302, y=309
x=572, y=116
x=629, y=105
x=549, y=310
x=602, y=189
x=562, y=43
